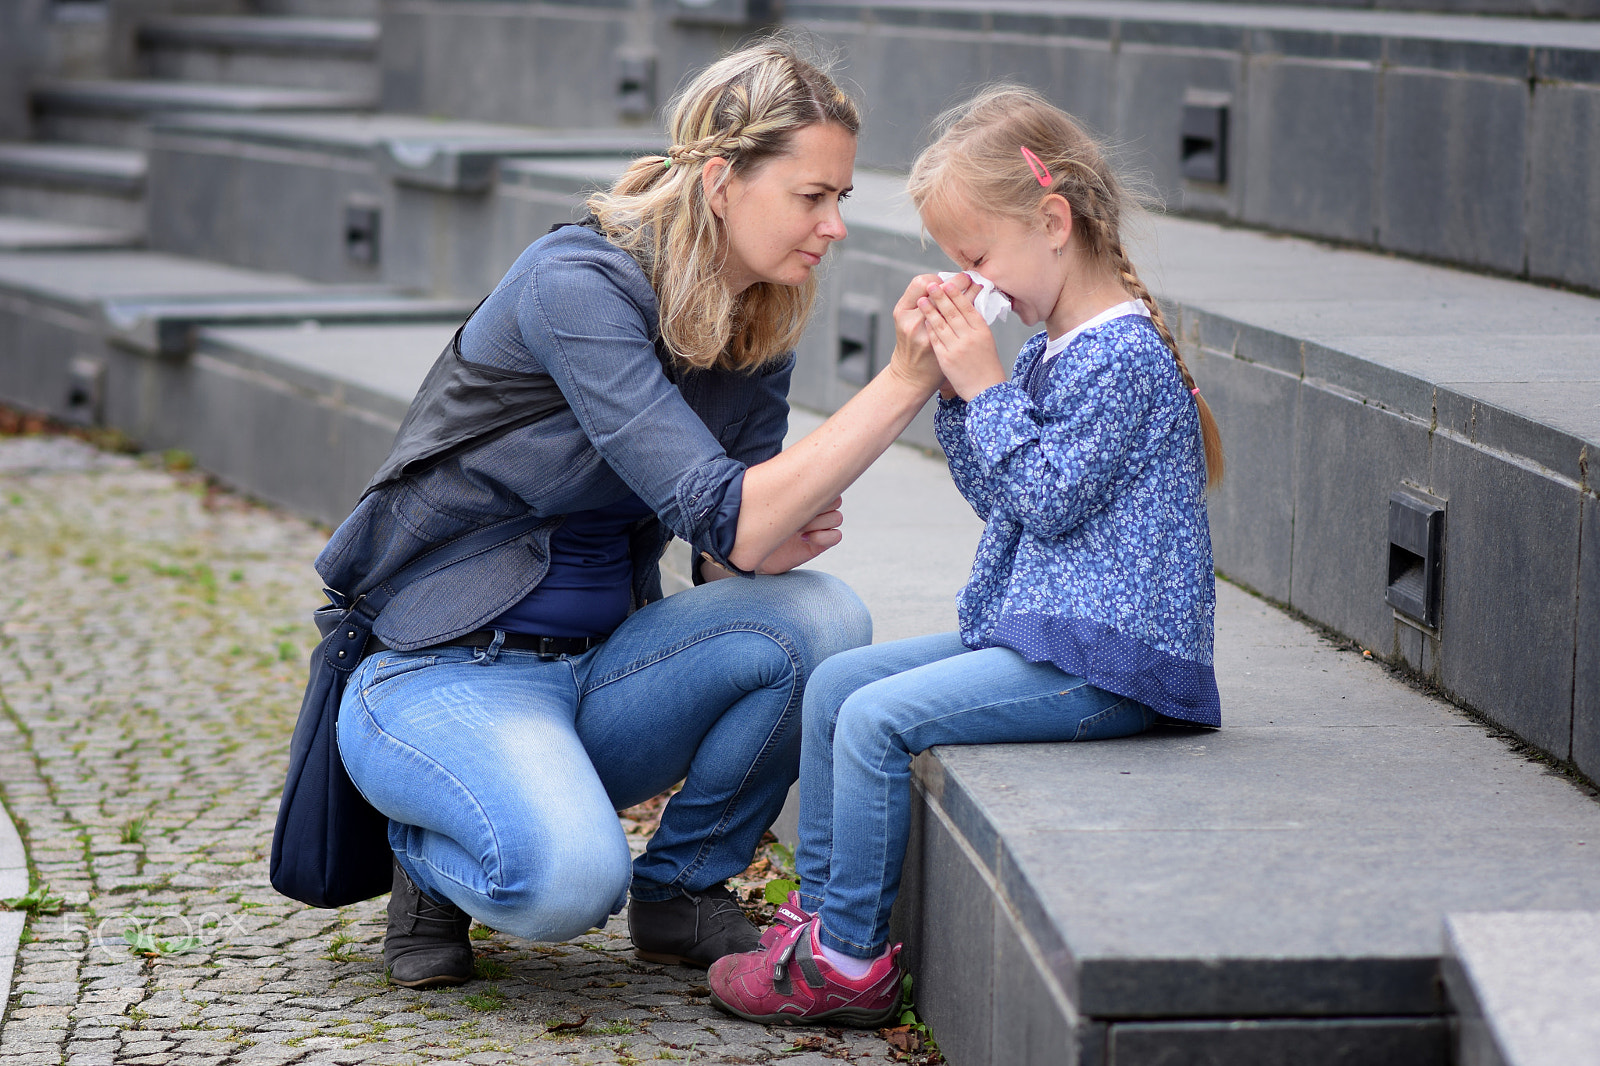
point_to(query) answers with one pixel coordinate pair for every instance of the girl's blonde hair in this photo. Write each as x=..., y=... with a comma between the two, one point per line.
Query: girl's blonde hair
x=745, y=108
x=977, y=162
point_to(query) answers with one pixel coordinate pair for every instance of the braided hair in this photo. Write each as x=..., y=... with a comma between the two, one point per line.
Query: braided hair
x=745, y=108
x=978, y=159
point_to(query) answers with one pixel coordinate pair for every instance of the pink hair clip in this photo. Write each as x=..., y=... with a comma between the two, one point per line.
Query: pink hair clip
x=1040, y=171
x=1195, y=391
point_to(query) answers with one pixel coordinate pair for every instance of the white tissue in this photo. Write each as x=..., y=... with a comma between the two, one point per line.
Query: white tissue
x=990, y=303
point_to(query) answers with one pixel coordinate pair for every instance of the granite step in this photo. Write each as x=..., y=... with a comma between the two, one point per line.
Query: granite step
x=20, y=234
x=367, y=9
x=302, y=53
x=111, y=338
x=1273, y=892
x=1525, y=987
x=403, y=200
x=117, y=111
x=82, y=184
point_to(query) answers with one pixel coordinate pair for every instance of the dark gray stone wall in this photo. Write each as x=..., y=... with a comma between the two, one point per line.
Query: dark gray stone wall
x=1564, y=183
x=24, y=48
x=1530, y=8
x=1469, y=141
x=1586, y=660
x=1302, y=518
x=263, y=207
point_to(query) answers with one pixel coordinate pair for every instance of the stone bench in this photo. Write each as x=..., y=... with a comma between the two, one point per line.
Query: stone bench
x=19, y=234
x=1526, y=987
x=1352, y=390
x=1273, y=892
x=302, y=53
x=1457, y=137
x=117, y=112
x=76, y=183
x=115, y=338
x=396, y=199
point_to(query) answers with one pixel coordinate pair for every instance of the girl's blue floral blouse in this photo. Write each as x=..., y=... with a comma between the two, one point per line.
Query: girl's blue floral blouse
x=1096, y=556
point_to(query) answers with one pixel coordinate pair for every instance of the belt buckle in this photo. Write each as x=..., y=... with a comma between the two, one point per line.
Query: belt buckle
x=545, y=650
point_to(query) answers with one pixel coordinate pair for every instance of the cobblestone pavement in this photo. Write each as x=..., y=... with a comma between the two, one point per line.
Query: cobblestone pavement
x=151, y=660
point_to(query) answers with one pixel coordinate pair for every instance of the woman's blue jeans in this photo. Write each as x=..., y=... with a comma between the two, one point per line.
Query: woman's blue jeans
x=502, y=771
x=867, y=712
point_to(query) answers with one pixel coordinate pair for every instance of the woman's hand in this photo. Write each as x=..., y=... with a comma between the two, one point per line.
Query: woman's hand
x=960, y=338
x=913, y=356
x=810, y=541
x=813, y=538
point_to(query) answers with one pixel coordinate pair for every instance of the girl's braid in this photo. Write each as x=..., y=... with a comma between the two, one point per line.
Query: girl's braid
x=1210, y=437
x=1131, y=282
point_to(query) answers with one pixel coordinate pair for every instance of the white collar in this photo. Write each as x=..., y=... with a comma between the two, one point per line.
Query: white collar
x=1127, y=307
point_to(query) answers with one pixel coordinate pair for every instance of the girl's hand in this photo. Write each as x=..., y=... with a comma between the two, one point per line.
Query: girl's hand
x=814, y=538
x=960, y=338
x=913, y=355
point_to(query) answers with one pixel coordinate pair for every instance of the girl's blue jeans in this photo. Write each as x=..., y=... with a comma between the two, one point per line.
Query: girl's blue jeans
x=867, y=712
x=502, y=771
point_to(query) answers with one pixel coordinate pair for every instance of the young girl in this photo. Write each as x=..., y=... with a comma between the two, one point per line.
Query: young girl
x=1089, y=611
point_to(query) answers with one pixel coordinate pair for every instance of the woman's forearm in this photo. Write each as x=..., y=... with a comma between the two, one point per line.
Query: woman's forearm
x=788, y=490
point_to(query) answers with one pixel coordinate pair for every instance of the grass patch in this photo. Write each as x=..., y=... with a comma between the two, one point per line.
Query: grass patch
x=490, y=969
x=340, y=948
x=490, y=999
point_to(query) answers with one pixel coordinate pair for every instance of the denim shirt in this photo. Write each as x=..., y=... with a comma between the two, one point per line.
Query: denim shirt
x=1096, y=550
x=581, y=310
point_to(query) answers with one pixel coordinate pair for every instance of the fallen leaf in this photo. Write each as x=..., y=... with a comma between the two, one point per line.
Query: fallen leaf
x=903, y=1038
x=560, y=1027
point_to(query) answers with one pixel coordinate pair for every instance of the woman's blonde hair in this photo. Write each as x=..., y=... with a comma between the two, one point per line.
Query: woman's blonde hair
x=745, y=108
x=977, y=161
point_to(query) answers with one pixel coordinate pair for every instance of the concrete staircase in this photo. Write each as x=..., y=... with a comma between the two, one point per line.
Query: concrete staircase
x=1301, y=887
x=88, y=160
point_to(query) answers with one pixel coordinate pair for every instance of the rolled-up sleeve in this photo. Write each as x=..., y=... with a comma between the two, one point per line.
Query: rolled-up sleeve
x=760, y=437
x=596, y=339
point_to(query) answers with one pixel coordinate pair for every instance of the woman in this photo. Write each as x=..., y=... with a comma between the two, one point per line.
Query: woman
x=511, y=702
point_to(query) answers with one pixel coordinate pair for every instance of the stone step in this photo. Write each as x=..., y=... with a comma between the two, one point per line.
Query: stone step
x=117, y=111
x=1363, y=127
x=1526, y=987
x=398, y=199
x=1272, y=892
x=74, y=183
x=1339, y=379
x=20, y=234
x=113, y=338
x=302, y=53
x=366, y=9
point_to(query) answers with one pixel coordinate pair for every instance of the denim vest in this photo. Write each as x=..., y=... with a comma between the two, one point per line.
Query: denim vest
x=578, y=309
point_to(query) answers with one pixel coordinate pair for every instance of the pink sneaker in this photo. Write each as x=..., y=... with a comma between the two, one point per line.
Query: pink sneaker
x=788, y=982
x=790, y=915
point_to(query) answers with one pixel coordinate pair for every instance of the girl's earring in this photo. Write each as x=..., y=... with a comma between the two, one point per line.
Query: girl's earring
x=1059, y=249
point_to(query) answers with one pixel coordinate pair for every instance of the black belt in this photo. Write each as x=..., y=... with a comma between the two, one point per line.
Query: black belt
x=482, y=638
